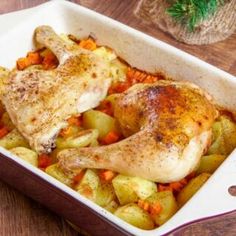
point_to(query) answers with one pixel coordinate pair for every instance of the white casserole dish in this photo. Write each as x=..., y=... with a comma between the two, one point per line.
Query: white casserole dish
x=143, y=52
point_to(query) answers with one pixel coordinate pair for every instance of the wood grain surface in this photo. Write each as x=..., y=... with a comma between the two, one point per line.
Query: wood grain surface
x=20, y=215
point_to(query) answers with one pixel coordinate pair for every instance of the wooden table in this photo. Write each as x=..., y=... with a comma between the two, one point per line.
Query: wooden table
x=20, y=215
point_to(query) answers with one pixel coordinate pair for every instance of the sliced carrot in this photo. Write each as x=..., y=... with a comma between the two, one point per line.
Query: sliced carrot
x=34, y=58
x=162, y=187
x=107, y=175
x=78, y=178
x=155, y=209
x=88, y=44
x=22, y=63
x=44, y=161
x=143, y=204
x=75, y=120
x=106, y=107
x=119, y=87
x=50, y=61
x=176, y=186
x=110, y=138
x=3, y=131
x=66, y=132
x=136, y=76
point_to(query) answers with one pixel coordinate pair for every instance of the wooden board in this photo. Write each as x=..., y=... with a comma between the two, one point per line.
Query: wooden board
x=20, y=215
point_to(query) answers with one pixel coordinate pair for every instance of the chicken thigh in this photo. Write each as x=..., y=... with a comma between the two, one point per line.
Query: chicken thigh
x=39, y=101
x=167, y=126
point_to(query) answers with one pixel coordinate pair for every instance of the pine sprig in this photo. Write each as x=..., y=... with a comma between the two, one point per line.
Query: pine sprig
x=191, y=12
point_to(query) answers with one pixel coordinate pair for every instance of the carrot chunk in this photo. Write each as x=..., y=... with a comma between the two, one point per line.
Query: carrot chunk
x=44, y=161
x=110, y=138
x=3, y=131
x=78, y=178
x=107, y=175
x=88, y=44
x=155, y=209
x=75, y=120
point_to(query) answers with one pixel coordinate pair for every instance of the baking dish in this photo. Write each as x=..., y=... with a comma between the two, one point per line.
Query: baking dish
x=140, y=51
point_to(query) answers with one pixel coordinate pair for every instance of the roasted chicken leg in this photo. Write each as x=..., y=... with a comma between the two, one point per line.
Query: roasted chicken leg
x=40, y=101
x=167, y=125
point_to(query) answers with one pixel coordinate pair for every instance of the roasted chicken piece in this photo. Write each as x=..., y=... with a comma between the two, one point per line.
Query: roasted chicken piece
x=167, y=125
x=39, y=101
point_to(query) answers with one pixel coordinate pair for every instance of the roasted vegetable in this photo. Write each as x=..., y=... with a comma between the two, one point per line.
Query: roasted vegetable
x=191, y=188
x=26, y=154
x=210, y=163
x=89, y=185
x=58, y=174
x=135, y=215
x=82, y=139
x=105, y=194
x=13, y=139
x=224, y=136
x=168, y=205
x=104, y=123
x=130, y=189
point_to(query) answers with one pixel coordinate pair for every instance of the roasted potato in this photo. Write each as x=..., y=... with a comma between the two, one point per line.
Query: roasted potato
x=105, y=194
x=26, y=154
x=135, y=215
x=168, y=205
x=104, y=123
x=210, y=163
x=82, y=139
x=58, y=174
x=13, y=139
x=129, y=189
x=89, y=185
x=224, y=136
x=191, y=188
x=112, y=206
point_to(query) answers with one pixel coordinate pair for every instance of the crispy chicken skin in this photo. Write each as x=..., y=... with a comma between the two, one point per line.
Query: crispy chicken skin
x=39, y=101
x=167, y=126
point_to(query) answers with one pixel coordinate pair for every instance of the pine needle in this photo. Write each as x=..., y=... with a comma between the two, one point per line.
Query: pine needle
x=192, y=12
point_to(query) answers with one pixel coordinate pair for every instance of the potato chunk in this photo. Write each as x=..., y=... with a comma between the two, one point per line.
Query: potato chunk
x=130, y=189
x=168, y=206
x=224, y=136
x=104, y=123
x=26, y=154
x=135, y=215
x=210, y=163
x=89, y=185
x=58, y=174
x=105, y=194
x=13, y=139
x=82, y=139
x=191, y=188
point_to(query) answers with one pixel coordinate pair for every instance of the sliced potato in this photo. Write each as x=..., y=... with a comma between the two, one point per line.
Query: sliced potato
x=210, y=163
x=105, y=53
x=89, y=185
x=130, y=189
x=105, y=194
x=104, y=123
x=58, y=174
x=135, y=215
x=3, y=76
x=191, y=188
x=112, y=206
x=13, y=139
x=168, y=205
x=26, y=154
x=118, y=70
x=82, y=139
x=6, y=120
x=224, y=136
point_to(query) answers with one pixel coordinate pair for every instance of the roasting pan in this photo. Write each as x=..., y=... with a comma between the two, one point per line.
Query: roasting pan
x=143, y=52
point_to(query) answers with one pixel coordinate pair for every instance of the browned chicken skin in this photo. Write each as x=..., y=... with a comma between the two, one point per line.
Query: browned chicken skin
x=167, y=125
x=40, y=101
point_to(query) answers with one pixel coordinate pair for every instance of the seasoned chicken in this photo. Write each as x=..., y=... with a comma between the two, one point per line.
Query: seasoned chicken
x=40, y=101
x=167, y=125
